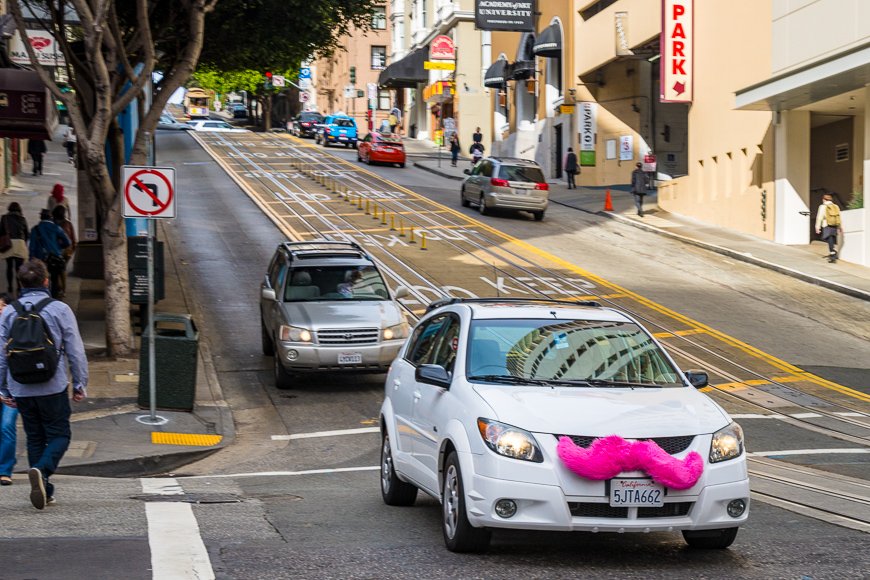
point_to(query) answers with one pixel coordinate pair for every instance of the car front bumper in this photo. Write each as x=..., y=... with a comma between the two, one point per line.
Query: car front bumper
x=313, y=357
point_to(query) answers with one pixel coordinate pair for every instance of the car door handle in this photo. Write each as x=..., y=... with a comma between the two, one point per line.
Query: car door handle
x=396, y=384
x=417, y=395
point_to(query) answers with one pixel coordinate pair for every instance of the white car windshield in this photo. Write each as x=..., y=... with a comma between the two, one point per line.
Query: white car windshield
x=318, y=283
x=581, y=352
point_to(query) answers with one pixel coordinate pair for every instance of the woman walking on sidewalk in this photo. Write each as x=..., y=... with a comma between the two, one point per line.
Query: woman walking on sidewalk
x=58, y=214
x=14, y=225
x=828, y=224
x=57, y=197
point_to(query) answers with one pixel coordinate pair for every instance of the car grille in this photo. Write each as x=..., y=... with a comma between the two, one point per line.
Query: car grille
x=352, y=336
x=603, y=510
x=672, y=445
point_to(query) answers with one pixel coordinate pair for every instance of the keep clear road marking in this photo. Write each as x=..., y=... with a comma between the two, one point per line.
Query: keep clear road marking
x=177, y=550
x=325, y=434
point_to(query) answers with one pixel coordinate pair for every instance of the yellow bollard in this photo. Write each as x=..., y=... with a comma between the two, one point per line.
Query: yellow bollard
x=392, y=222
x=359, y=204
x=368, y=211
x=423, y=240
x=375, y=216
x=412, y=240
x=383, y=217
x=401, y=227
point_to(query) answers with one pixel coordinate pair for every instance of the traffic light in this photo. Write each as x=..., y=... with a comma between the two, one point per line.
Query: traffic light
x=353, y=75
x=268, y=82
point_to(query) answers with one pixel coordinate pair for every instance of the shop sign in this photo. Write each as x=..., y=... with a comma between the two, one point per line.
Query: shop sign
x=566, y=109
x=649, y=163
x=588, y=123
x=47, y=51
x=442, y=48
x=626, y=147
x=514, y=15
x=436, y=65
x=677, y=46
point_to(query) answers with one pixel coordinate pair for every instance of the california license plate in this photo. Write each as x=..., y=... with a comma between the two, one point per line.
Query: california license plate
x=636, y=493
x=349, y=358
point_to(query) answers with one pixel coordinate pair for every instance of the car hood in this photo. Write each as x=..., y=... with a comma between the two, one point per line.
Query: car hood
x=343, y=314
x=638, y=413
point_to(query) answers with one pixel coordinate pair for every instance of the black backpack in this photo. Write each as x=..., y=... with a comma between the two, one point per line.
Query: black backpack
x=30, y=351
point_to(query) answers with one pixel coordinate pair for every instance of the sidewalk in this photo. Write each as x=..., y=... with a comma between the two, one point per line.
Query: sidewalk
x=108, y=440
x=802, y=262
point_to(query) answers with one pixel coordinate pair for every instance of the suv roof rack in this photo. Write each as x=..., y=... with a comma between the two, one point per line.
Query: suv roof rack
x=499, y=158
x=447, y=301
x=324, y=245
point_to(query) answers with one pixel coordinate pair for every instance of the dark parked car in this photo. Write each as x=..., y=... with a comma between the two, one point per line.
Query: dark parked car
x=305, y=124
x=238, y=110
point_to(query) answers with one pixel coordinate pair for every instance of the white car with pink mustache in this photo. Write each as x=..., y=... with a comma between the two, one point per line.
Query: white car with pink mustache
x=551, y=415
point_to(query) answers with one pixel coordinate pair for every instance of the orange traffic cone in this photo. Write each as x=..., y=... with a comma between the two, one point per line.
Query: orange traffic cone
x=608, y=203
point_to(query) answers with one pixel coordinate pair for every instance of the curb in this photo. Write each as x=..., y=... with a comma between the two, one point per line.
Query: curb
x=841, y=288
x=438, y=172
x=139, y=466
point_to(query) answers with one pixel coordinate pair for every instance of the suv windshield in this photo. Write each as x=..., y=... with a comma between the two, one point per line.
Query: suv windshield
x=317, y=283
x=520, y=173
x=589, y=352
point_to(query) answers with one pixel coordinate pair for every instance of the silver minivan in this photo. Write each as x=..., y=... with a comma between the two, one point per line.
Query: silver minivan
x=508, y=183
x=324, y=306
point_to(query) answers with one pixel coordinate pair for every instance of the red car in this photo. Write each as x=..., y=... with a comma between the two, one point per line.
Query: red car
x=381, y=148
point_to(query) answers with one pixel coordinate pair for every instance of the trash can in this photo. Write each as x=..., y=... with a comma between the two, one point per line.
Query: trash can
x=176, y=343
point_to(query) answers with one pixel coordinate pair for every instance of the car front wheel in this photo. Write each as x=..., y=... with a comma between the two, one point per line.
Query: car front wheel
x=283, y=379
x=459, y=534
x=462, y=200
x=394, y=490
x=710, y=539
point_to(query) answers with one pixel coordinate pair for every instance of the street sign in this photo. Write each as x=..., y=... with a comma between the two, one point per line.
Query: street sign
x=304, y=73
x=373, y=90
x=435, y=65
x=149, y=192
x=349, y=91
x=304, y=97
x=277, y=81
x=305, y=83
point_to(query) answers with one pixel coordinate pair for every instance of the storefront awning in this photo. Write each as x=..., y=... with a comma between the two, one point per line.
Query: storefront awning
x=496, y=74
x=521, y=70
x=406, y=72
x=549, y=42
x=27, y=109
x=809, y=84
x=438, y=92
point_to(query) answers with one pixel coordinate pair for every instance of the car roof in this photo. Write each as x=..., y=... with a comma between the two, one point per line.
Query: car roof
x=515, y=161
x=323, y=250
x=501, y=308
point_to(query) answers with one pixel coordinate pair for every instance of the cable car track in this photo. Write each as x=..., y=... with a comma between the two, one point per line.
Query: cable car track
x=303, y=164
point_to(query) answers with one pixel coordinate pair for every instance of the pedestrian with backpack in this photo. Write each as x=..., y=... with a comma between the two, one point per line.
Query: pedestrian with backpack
x=41, y=337
x=829, y=225
x=47, y=242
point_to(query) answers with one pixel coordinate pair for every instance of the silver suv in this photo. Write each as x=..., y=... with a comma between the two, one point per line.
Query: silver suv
x=503, y=182
x=325, y=307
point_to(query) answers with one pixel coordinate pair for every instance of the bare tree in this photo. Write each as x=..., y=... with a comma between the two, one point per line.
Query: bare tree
x=111, y=53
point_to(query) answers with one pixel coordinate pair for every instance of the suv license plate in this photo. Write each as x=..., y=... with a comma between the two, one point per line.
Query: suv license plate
x=636, y=493
x=350, y=358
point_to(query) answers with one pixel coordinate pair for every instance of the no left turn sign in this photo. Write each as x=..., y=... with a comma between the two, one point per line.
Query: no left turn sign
x=149, y=192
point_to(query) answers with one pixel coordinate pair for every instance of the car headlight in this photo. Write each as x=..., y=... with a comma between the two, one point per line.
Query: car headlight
x=509, y=441
x=397, y=331
x=294, y=334
x=727, y=443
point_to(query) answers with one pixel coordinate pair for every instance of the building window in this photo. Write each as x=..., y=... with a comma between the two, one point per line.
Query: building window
x=379, y=57
x=383, y=100
x=379, y=18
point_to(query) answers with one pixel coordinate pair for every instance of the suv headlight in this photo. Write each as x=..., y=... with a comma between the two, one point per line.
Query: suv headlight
x=727, y=443
x=397, y=331
x=509, y=441
x=294, y=334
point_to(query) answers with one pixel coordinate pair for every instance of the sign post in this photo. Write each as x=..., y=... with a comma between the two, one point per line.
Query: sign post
x=149, y=193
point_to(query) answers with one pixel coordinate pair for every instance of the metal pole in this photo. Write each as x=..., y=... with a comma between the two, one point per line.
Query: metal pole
x=152, y=363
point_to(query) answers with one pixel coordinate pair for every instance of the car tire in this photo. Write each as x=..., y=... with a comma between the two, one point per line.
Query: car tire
x=481, y=205
x=325, y=143
x=394, y=491
x=369, y=160
x=283, y=379
x=358, y=158
x=710, y=539
x=462, y=200
x=539, y=215
x=459, y=534
x=354, y=144
x=402, y=165
x=268, y=344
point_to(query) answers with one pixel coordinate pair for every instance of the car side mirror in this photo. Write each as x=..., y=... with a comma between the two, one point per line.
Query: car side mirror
x=433, y=375
x=467, y=171
x=268, y=294
x=698, y=379
x=402, y=292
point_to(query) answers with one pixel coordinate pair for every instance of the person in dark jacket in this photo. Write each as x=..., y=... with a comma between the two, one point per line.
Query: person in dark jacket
x=14, y=225
x=36, y=149
x=454, y=148
x=572, y=168
x=47, y=242
x=58, y=214
x=638, y=187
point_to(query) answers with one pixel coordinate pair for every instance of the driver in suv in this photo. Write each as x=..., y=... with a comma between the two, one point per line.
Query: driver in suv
x=324, y=306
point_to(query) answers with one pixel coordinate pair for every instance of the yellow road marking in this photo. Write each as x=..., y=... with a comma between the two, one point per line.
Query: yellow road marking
x=687, y=321
x=190, y=439
x=669, y=334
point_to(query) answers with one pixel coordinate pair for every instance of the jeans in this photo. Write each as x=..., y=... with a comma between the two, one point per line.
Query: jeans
x=638, y=203
x=46, y=424
x=7, y=439
x=571, y=175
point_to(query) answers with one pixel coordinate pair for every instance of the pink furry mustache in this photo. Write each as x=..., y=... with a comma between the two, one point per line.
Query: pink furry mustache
x=609, y=456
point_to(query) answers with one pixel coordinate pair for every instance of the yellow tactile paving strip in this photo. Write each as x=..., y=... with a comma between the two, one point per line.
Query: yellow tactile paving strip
x=189, y=439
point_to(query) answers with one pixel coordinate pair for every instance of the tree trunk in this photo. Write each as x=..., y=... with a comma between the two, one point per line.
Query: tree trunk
x=119, y=333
